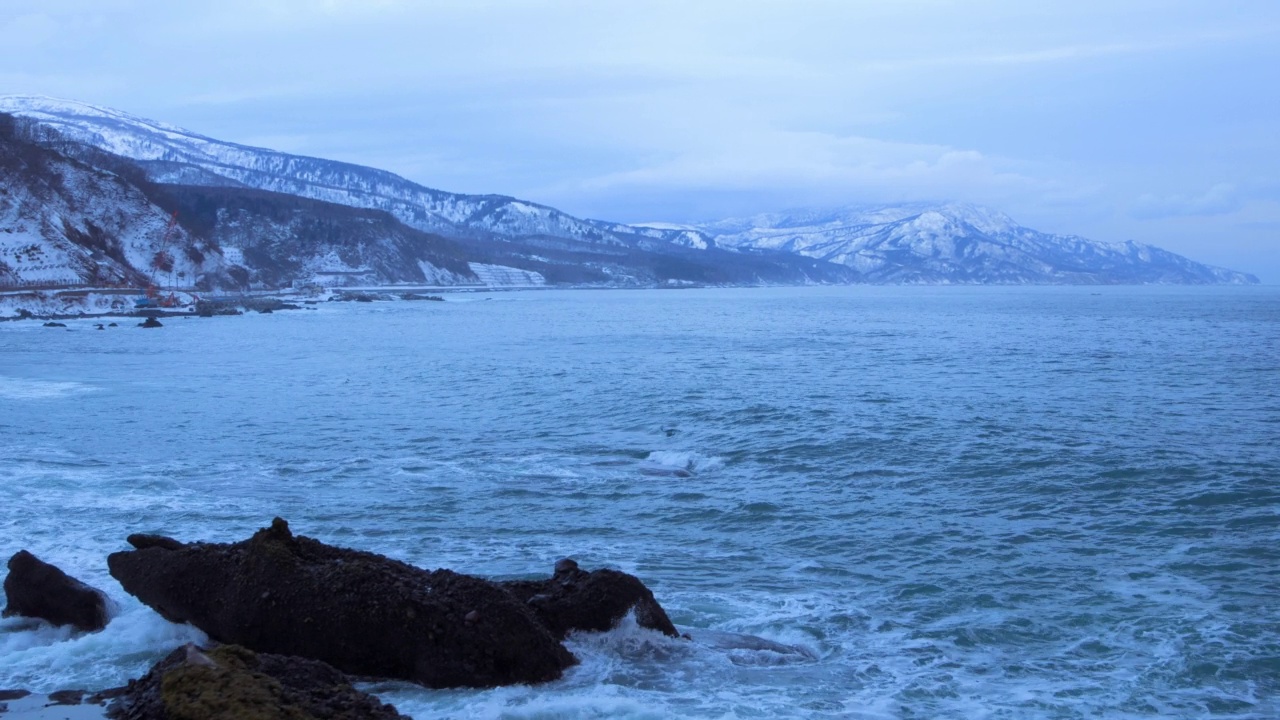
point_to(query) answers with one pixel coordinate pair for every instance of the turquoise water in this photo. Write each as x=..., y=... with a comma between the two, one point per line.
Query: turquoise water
x=956, y=502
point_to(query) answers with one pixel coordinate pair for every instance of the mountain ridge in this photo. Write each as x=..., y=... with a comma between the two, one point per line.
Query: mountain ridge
x=911, y=243
x=934, y=241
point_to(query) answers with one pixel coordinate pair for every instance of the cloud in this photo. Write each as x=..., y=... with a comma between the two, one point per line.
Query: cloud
x=1220, y=199
x=777, y=159
x=768, y=169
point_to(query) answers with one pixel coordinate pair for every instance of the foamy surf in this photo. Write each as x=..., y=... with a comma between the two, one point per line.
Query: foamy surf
x=685, y=461
x=12, y=388
x=41, y=658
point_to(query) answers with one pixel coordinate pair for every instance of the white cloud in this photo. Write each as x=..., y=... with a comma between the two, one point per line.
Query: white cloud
x=1220, y=199
x=792, y=166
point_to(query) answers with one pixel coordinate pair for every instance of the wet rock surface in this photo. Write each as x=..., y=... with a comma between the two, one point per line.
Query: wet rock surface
x=360, y=612
x=233, y=683
x=67, y=697
x=37, y=589
x=574, y=599
x=143, y=541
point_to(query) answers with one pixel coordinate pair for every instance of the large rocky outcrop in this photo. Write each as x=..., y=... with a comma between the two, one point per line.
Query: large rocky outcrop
x=232, y=683
x=39, y=590
x=360, y=612
x=574, y=599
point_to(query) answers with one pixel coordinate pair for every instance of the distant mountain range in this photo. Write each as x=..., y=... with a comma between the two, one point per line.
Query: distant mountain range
x=959, y=243
x=267, y=218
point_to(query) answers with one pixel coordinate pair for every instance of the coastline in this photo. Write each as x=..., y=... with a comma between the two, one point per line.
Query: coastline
x=94, y=303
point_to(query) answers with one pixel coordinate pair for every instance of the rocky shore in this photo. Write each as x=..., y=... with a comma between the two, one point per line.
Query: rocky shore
x=293, y=620
x=53, y=305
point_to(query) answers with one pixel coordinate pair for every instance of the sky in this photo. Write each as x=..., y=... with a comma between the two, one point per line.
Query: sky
x=1149, y=120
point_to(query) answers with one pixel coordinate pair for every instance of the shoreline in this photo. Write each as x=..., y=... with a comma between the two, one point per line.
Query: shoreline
x=62, y=705
x=13, y=309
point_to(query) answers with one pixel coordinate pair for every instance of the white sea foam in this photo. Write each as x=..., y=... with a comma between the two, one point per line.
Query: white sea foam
x=685, y=460
x=12, y=388
x=39, y=657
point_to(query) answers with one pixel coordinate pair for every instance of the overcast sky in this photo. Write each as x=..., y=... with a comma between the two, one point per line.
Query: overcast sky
x=1151, y=120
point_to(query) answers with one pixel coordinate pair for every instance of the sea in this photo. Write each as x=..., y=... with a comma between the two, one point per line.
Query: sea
x=859, y=502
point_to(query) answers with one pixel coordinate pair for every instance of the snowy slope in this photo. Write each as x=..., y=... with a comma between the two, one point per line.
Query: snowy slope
x=681, y=235
x=958, y=243
x=65, y=223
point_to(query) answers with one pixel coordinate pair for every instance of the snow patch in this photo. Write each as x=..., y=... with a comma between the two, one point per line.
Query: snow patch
x=503, y=276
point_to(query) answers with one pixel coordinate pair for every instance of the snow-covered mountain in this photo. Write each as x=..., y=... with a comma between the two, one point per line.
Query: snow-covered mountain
x=958, y=243
x=282, y=219
x=892, y=244
x=172, y=155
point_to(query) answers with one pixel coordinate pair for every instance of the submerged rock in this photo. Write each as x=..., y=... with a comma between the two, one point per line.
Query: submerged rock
x=142, y=541
x=67, y=697
x=37, y=589
x=574, y=599
x=233, y=683
x=358, y=611
x=150, y=322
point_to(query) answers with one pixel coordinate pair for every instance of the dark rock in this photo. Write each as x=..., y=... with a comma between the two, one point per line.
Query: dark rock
x=574, y=599
x=13, y=694
x=209, y=308
x=143, y=541
x=112, y=325
x=39, y=590
x=102, y=697
x=100, y=326
x=358, y=611
x=150, y=322
x=54, y=324
x=67, y=697
x=232, y=683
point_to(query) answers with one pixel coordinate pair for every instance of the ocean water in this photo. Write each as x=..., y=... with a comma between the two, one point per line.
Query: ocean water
x=939, y=502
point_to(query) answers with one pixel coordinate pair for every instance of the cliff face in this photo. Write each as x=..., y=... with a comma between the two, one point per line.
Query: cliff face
x=64, y=222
